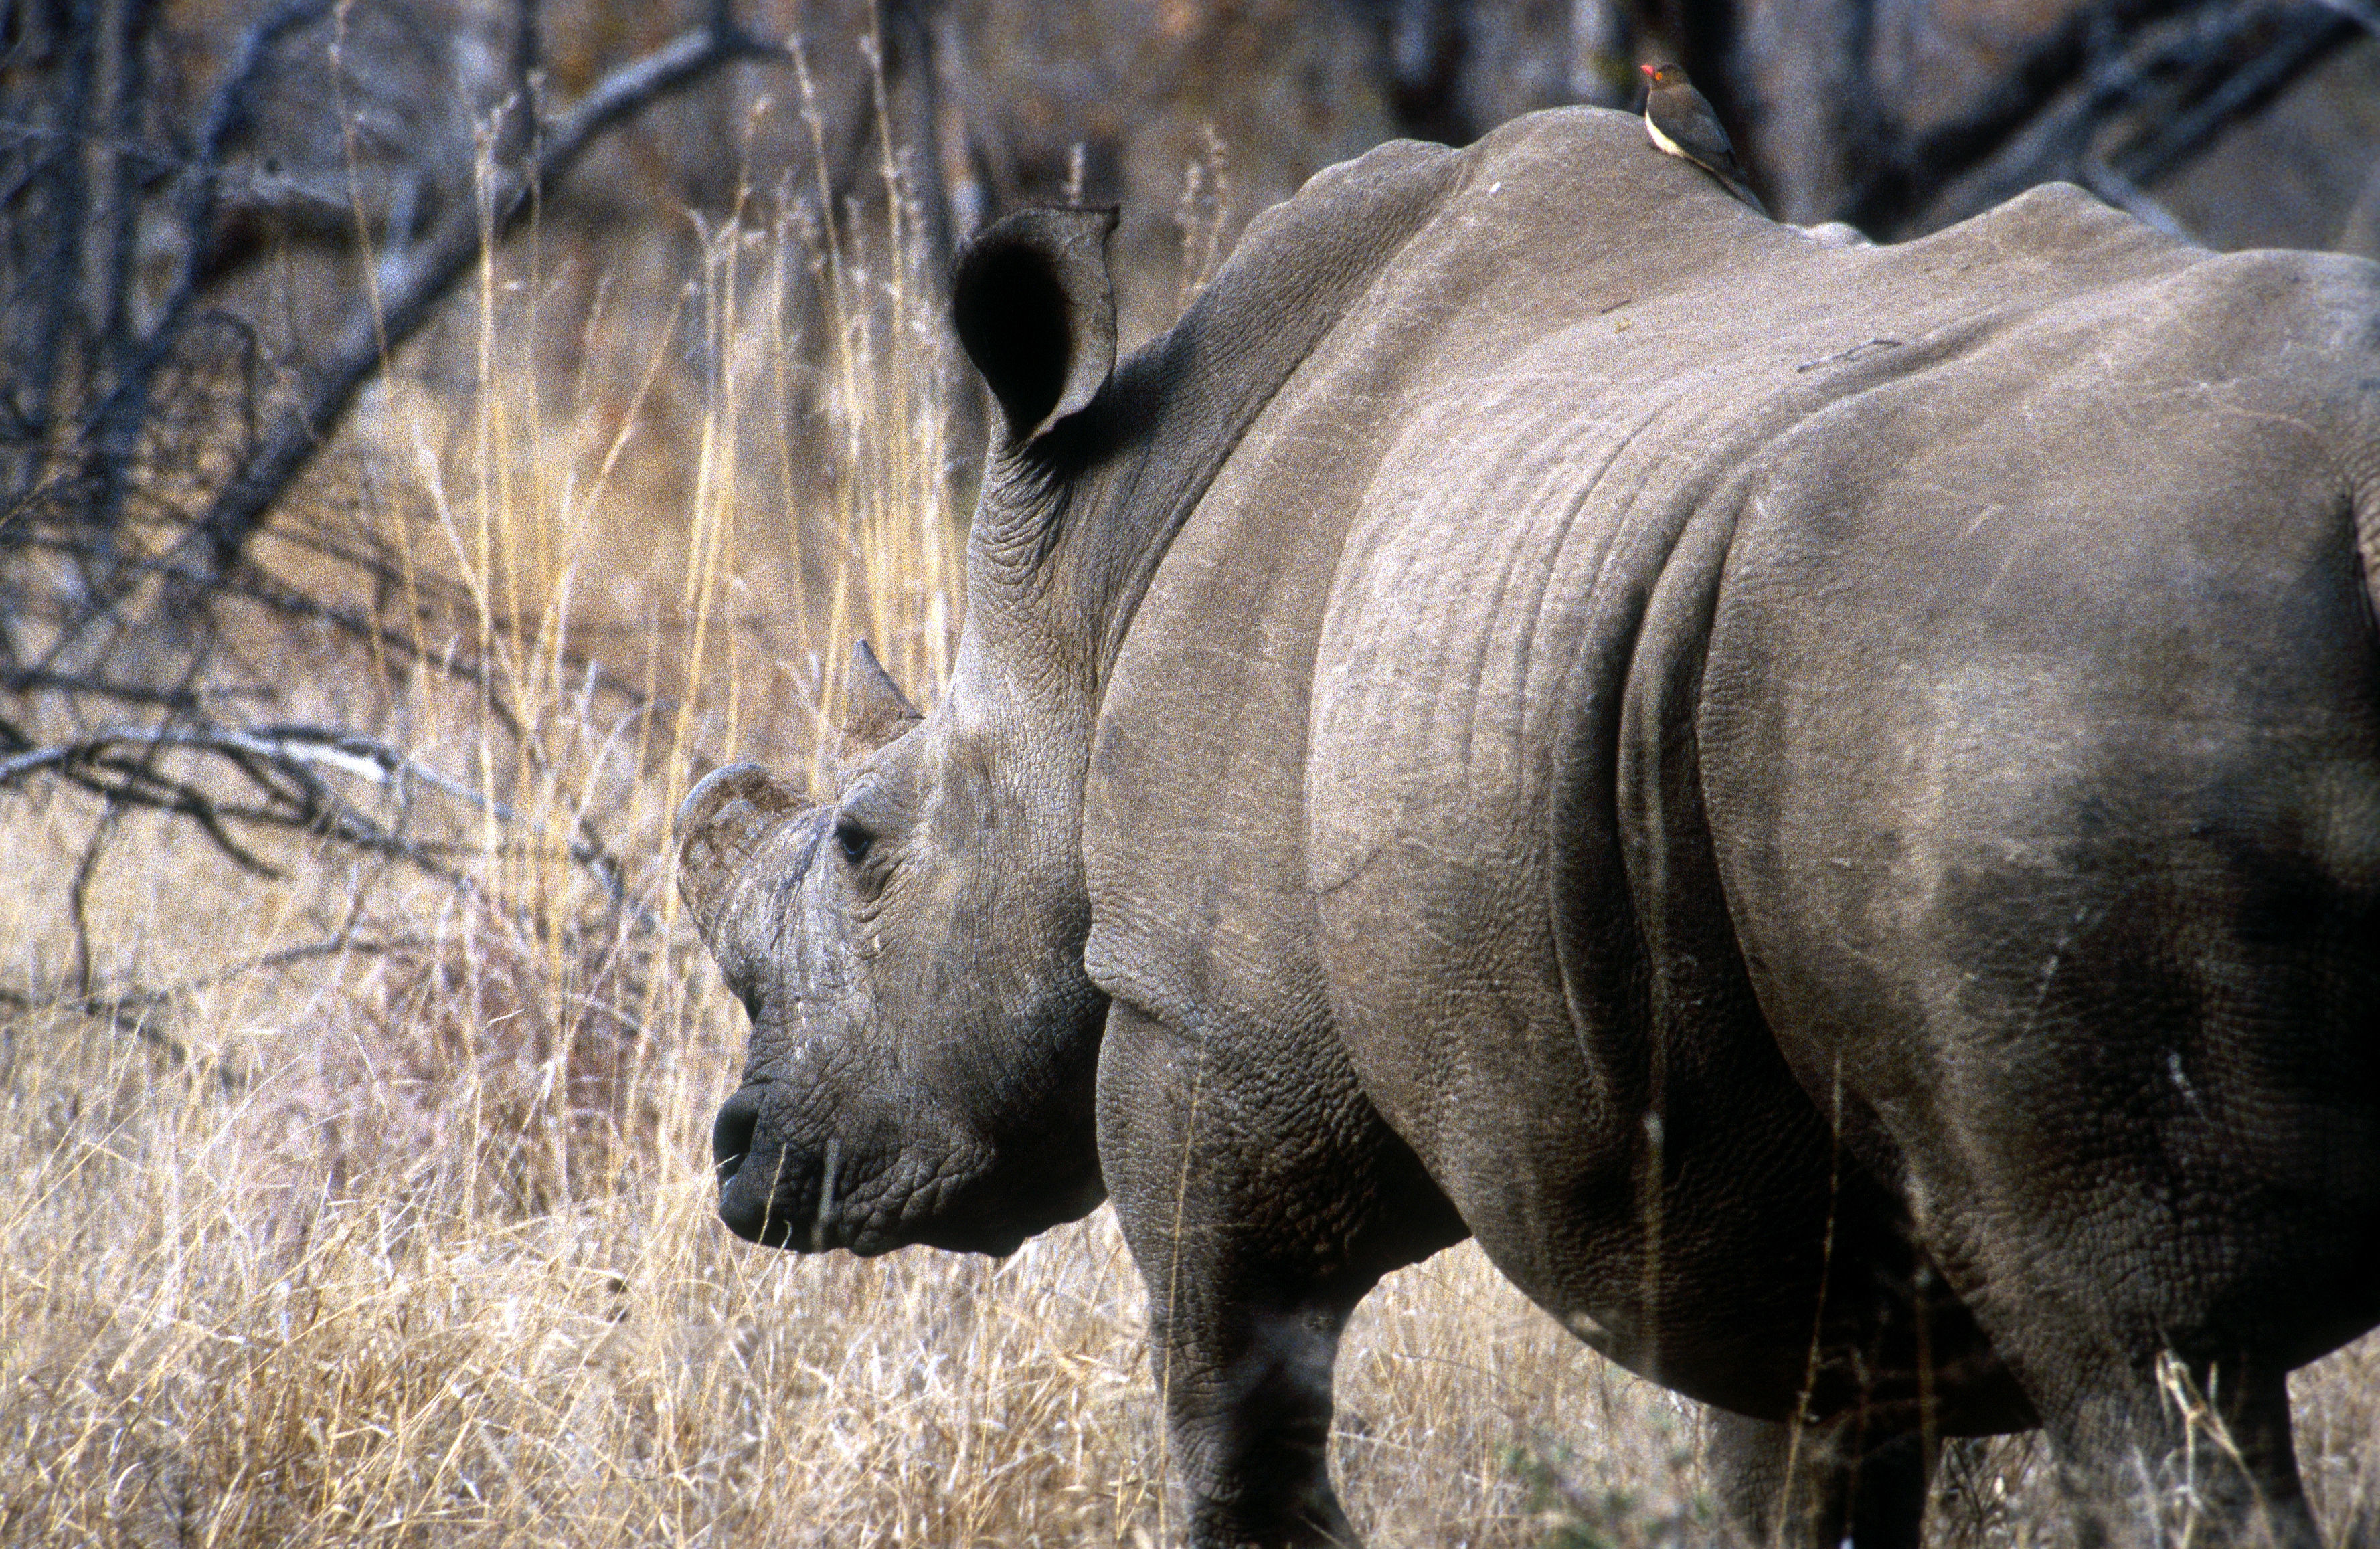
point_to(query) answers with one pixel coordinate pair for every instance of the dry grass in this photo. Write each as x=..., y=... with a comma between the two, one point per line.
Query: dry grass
x=408, y=1240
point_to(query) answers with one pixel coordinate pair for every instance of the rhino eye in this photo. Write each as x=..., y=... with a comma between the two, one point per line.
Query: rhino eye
x=852, y=841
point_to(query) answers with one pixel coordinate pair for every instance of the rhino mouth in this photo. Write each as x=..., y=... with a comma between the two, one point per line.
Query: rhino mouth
x=781, y=1195
x=874, y=1198
x=769, y=1194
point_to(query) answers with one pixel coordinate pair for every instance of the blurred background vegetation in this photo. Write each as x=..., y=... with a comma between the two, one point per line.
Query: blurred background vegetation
x=226, y=221
x=222, y=217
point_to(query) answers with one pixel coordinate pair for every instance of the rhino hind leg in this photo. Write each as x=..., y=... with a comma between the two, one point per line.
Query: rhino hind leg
x=1783, y=1487
x=2176, y=1459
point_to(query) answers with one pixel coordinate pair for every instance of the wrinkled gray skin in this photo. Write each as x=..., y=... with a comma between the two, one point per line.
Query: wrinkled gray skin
x=1822, y=802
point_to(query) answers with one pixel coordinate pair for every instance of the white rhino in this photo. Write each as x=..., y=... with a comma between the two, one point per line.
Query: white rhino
x=1823, y=801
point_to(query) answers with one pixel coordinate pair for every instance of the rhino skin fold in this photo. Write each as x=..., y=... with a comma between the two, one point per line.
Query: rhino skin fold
x=1822, y=800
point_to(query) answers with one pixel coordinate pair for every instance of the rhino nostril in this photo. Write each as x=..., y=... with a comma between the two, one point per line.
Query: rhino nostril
x=730, y=1133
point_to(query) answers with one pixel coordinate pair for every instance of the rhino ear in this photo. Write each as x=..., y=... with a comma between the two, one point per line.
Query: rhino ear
x=1034, y=310
x=722, y=824
x=875, y=710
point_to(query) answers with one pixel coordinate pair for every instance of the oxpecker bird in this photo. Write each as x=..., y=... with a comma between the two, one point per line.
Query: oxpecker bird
x=1681, y=122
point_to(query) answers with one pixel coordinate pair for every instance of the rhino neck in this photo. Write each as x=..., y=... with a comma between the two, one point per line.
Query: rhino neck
x=1059, y=562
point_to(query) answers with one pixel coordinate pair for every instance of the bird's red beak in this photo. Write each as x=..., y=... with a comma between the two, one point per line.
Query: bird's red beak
x=1649, y=70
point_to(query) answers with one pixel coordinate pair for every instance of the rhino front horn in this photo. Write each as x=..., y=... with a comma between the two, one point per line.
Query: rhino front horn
x=723, y=824
x=875, y=710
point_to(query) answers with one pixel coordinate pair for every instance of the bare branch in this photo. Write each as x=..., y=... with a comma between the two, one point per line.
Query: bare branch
x=412, y=282
x=2191, y=75
x=79, y=892
x=129, y=1017
x=2362, y=12
x=257, y=584
x=2304, y=40
x=62, y=176
x=2129, y=196
x=134, y=22
x=282, y=762
x=1907, y=175
x=131, y=1008
x=115, y=426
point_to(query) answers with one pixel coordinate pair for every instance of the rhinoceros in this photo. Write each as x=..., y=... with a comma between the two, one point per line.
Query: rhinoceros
x=1820, y=801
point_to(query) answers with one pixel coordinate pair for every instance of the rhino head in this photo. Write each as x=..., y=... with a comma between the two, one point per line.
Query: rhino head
x=924, y=1036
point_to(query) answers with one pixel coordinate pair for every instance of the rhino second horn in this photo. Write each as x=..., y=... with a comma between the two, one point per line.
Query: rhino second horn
x=721, y=826
x=876, y=710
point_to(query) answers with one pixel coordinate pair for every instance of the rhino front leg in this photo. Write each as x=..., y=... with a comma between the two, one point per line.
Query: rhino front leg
x=1259, y=1211
x=1247, y=1392
x=1818, y=1487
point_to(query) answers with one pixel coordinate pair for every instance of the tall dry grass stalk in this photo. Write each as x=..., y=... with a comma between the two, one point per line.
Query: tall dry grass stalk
x=402, y=1232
